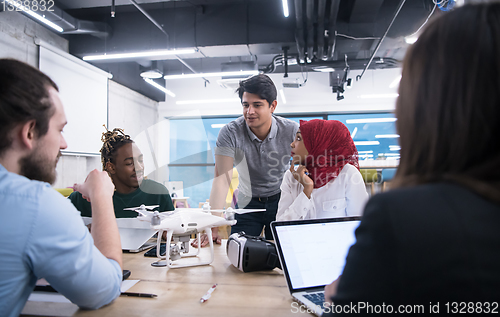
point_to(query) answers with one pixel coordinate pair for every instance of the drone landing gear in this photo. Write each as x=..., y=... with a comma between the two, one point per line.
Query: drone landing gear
x=159, y=263
x=179, y=249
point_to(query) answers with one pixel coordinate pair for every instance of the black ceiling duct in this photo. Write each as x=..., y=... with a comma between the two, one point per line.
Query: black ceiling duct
x=315, y=26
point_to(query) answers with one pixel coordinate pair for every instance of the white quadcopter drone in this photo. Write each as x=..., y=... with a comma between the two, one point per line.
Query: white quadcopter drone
x=180, y=224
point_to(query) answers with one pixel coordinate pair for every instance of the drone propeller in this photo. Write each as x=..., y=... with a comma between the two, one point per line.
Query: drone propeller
x=155, y=217
x=230, y=212
x=238, y=211
x=142, y=207
x=245, y=211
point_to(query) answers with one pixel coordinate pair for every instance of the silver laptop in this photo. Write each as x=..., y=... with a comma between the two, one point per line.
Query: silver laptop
x=312, y=254
x=134, y=234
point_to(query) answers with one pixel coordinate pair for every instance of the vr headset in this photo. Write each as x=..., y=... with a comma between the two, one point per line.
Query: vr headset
x=251, y=253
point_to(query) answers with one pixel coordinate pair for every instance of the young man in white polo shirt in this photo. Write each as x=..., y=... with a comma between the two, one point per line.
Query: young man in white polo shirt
x=258, y=144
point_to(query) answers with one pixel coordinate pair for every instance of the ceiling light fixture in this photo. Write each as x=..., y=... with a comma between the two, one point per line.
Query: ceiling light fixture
x=365, y=152
x=152, y=74
x=387, y=136
x=219, y=74
x=138, y=54
x=158, y=86
x=411, y=39
x=394, y=148
x=379, y=96
x=395, y=82
x=217, y=125
x=40, y=18
x=366, y=142
x=285, y=8
x=323, y=69
x=371, y=120
x=282, y=94
x=194, y=102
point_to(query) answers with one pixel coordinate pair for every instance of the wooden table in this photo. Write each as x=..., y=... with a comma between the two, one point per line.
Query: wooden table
x=179, y=291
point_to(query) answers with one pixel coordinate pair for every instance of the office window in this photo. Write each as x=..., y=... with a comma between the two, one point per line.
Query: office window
x=197, y=182
x=297, y=119
x=374, y=134
x=192, y=143
x=192, y=160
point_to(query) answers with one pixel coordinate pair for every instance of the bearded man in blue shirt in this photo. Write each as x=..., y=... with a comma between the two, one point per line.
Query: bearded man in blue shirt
x=43, y=233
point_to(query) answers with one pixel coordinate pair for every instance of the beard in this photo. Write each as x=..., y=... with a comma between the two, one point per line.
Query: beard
x=36, y=166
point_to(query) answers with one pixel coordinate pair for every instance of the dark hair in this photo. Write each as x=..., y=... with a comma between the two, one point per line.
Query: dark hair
x=112, y=141
x=260, y=85
x=448, y=107
x=24, y=96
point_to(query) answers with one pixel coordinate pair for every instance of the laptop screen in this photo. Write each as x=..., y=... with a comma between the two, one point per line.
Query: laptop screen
x=313, y=252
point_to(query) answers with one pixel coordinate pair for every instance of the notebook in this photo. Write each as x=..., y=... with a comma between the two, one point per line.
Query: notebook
x=134, y=234
x=312, y=254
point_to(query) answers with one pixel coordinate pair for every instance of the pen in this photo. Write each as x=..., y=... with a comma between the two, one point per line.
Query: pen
x=208, y=294
x=139, y=294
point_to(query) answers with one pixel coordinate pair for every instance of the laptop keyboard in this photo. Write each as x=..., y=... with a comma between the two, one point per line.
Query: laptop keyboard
x=317, y=298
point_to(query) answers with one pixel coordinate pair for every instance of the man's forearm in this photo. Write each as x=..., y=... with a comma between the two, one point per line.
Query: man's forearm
x=104, y=228
x=220, y=187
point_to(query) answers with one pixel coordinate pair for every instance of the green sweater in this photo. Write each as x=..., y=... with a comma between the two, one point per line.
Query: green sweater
x=149, y=193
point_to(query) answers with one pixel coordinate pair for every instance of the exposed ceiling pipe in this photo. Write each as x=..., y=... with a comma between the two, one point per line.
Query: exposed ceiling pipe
x=150, y=18
x=299, y=32
x=321, y=29
x=277, y=60
x=356, y=63
x=97, y=29
x=72, y=25
x=332, y=28
x=189, y=67
x=285, y=56
x=382, y=39
x=310, y=29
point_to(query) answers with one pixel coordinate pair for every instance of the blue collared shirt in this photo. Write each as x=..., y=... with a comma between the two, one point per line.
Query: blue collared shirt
x=43, y=236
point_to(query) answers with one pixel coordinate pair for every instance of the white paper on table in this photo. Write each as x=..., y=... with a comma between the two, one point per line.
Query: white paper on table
x=128, y=284
x=48, y=297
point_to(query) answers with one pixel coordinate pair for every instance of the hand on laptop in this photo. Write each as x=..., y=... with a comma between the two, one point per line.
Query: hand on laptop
x=331, y=290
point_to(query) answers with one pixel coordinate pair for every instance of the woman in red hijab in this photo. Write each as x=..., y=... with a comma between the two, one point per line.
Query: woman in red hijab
x=327, y=182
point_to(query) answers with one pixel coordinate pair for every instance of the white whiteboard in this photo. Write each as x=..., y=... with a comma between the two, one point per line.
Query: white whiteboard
x=83, y=90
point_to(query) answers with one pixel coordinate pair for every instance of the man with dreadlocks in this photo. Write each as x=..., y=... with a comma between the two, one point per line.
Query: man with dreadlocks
x=123, y=161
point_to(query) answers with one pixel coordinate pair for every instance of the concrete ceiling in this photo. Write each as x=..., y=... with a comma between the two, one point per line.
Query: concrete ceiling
x=256, y=31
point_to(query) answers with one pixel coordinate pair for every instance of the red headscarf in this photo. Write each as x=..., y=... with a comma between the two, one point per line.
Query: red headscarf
x=330, y=147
